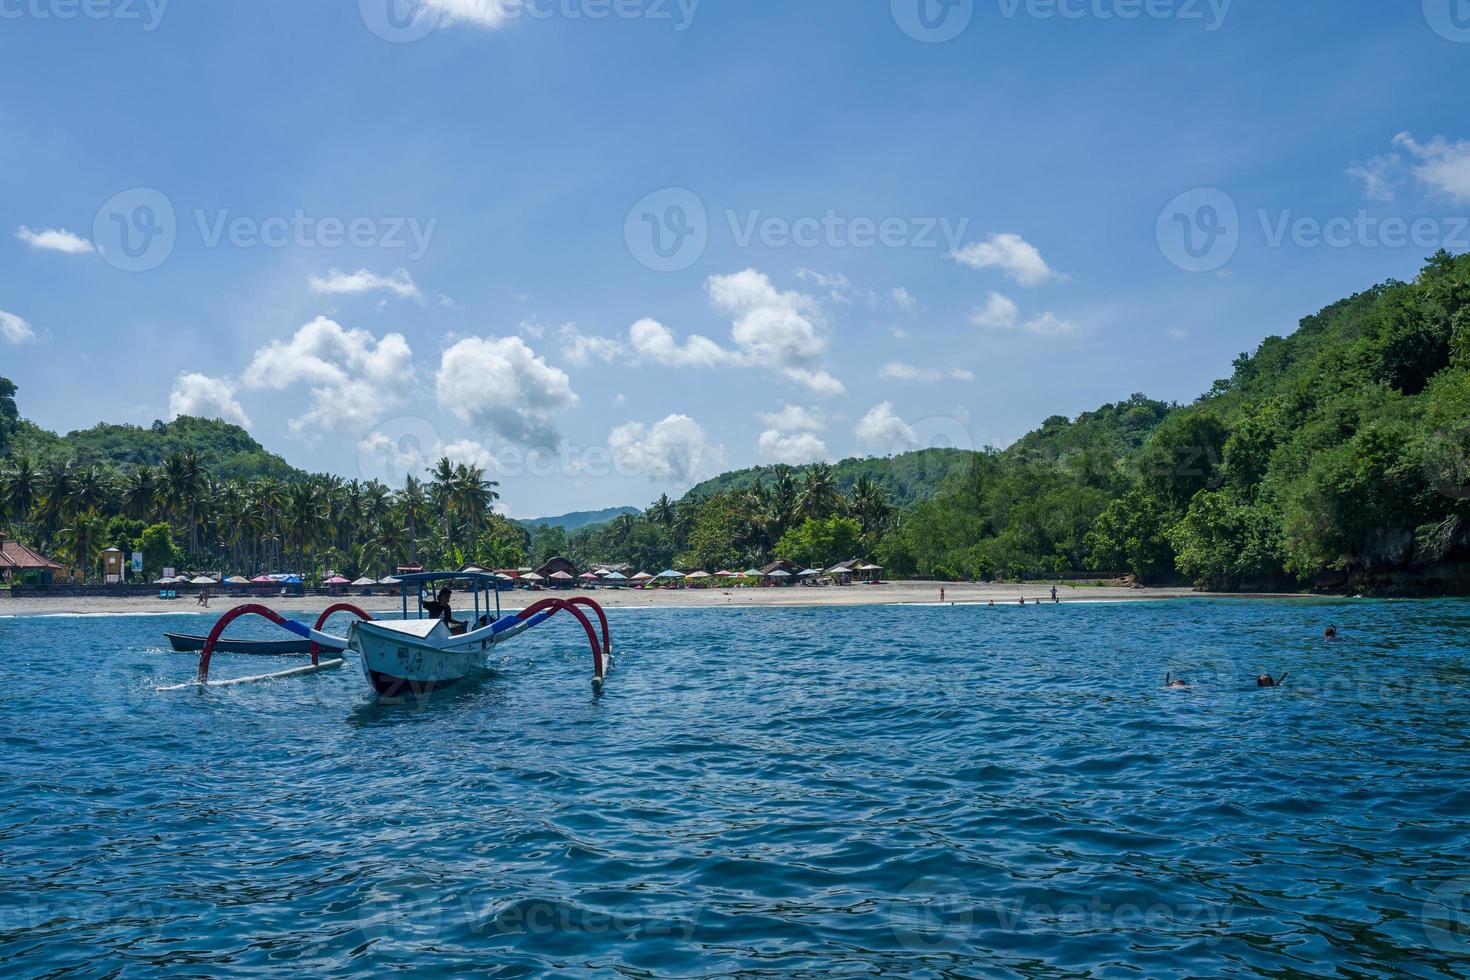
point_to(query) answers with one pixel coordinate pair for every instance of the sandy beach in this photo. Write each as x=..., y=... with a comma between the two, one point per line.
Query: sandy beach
x=895, y=593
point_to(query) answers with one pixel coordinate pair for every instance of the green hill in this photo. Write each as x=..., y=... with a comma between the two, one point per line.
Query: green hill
x=228, y=451
x=577, y=520
x=907, y=478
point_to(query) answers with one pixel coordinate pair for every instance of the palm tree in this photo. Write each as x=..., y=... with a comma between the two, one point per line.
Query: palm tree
x=82, y=541
x=818, y=497
x=304, y=519
x=53, y=498
x=140, y=494
x=662, y=511
x=869, y=504
x=18, y=489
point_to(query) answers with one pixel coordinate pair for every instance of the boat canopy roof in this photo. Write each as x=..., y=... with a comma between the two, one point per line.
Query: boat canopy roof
x=483, y=579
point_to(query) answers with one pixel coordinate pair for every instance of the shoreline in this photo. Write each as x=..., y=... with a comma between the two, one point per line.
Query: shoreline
x=791, y=597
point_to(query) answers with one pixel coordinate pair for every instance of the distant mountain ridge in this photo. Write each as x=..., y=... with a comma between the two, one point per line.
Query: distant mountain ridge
x=577, y=520
x=907, y=478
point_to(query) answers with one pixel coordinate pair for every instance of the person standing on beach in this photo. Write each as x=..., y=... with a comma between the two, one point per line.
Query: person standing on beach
x=941, y=595
x=1054, y=594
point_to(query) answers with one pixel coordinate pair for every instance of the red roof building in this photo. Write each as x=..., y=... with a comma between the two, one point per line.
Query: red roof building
x=19, y=562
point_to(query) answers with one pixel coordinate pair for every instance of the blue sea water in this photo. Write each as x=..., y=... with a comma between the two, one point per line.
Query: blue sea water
x=897, y=790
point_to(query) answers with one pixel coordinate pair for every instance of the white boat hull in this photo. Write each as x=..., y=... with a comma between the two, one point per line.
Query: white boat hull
x=413, y=658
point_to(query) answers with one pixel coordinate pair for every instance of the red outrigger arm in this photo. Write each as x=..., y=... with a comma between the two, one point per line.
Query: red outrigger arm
x=273, y=616
x=550, y=607
x=321, y=620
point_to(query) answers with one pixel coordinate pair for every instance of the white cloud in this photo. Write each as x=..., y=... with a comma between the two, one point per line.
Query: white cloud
x=1012, y=255
x=1000, y=313
x=904, y=300
x=1049, y=325
x=1443, y=166
x=354, y=378
x=55, y=240
x=674, y=449
x=1178, y=333
x=580, y=349
x=794, y=418
x=337, y=282
x=791, y=448
x=207, y=398
x=883, y=431
x=774, y=329
x=899, y=371
x=470, y=453
x=485, y=13
x=655, y=342
x=1379, y=176
x=14, y=330
x=500, y=385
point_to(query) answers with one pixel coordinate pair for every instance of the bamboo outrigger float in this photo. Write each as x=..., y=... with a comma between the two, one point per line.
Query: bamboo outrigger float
x=413, y=657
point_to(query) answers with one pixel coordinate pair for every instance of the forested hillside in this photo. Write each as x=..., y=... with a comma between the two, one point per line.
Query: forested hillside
x=907, y=478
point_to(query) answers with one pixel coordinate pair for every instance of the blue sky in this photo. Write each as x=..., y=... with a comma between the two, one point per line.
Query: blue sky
x=379, y=238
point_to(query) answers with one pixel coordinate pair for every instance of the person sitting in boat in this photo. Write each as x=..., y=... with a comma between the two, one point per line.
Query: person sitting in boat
x=1266, y=680
x=440, y=608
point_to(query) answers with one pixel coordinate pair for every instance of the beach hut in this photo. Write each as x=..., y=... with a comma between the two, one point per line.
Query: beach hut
x=780, y=576
x=699, y=579
x=555, y=565
x=202, y=580
x=589, y=577
x=389, y=580
x=641, y=579
x=669, y=575
x=533, y=579
x=872, y=571
x=616, y=579
x=21, y=564
x=366, y=583
x=562, y=579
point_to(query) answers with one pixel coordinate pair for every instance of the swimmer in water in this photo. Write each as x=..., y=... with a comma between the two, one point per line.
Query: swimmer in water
x=1330, y=634
x=1266, y=680
x=1174, y=683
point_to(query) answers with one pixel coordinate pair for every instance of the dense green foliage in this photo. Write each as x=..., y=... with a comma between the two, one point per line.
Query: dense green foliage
x=9, y=416
x=906, y=479
x=1336, y=456
x=227, y=451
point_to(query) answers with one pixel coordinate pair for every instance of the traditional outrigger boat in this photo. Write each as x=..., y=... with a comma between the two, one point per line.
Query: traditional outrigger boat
x=414, y=657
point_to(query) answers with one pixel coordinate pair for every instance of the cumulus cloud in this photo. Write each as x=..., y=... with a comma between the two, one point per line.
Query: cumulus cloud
x=674, y=449
x=1443, y=166
x=470, y=453
x=55, y=240
x=794, y=418
x=774, y=329
x=1000, y=313
x=581, y=349
x=354, y=378
x=904, y=300
x=500, y=385
x=1049, y=325
x=14, y=330
x=207, y=398
x=883, y=431
x=655, y=342
x=899, y=371
x=1012, y=255
x=791, y=448
x=337, y=283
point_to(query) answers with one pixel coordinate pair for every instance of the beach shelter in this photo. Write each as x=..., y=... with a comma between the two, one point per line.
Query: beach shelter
x=504, y=577
x=698, y=575
x=365, y=580
x=780, y=573
x=237, y=580
x=262, y=580
x=202, y=580
x=337, y=580
x=809, y=573
x=164, y=581
x=588, y=577
x=389, y=580
x=532, y=577
x=753, y=573
x=616, y=578
x=724, y=574
x=643, y=577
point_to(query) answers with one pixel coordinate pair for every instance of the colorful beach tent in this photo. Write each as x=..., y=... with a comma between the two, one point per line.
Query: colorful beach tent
x=203, y=580
x=237, y=580
x=670, y=573
x=562, y=576
x=643, y=577
x=616, y=577
x=337, y=580
x=585, y=576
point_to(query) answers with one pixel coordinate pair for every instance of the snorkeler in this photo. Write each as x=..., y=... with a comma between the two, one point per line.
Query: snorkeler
x=1266, y=680
x=1174, y=683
